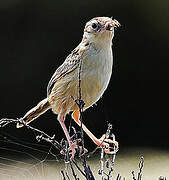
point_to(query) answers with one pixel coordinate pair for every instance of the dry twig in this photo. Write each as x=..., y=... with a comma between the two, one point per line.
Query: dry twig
x=139, y=176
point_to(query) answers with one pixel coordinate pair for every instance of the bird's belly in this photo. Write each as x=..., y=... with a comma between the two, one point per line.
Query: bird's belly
x=93, y=87
x=95, y=81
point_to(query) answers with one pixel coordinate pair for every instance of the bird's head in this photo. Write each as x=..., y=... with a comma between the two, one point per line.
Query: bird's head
x=100, y=29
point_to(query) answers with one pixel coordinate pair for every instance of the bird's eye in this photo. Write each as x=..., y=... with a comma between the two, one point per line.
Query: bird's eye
x=94, y=25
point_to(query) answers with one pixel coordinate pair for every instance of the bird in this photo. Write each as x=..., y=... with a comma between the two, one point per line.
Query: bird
x=94, y=53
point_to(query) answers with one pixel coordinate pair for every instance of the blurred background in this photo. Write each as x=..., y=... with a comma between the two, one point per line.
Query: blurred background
x=35, y=38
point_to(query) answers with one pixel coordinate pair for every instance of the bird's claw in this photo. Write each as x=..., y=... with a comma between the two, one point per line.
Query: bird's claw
x=72, y=149
x=110, y=146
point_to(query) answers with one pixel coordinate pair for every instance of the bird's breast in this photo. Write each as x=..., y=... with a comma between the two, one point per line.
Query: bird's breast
x=96, y=73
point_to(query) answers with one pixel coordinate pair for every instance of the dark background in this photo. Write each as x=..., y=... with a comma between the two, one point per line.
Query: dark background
x=35, y=38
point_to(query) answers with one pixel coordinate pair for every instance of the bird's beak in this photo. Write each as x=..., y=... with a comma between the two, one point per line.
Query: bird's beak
x=109, y=26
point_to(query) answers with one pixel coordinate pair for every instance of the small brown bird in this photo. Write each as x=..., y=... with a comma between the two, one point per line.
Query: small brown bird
x=95, y=54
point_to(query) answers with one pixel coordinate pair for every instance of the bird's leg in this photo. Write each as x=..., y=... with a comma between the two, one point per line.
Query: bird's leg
x=72, y=145
x=103, y=142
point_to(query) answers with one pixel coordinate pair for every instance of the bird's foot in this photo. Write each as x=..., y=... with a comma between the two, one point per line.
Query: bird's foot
x=71, y=150
x=110, y=146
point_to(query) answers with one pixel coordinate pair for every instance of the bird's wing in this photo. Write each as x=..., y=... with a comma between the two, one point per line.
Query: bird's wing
x=70, y=64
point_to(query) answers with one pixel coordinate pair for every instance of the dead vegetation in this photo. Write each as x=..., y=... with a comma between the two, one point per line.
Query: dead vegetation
x=107, y=162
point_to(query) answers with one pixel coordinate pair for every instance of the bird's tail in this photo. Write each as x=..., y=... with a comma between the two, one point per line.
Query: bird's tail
x=35, y=112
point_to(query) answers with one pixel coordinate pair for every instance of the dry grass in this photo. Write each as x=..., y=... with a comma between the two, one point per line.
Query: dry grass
x=156, y=165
